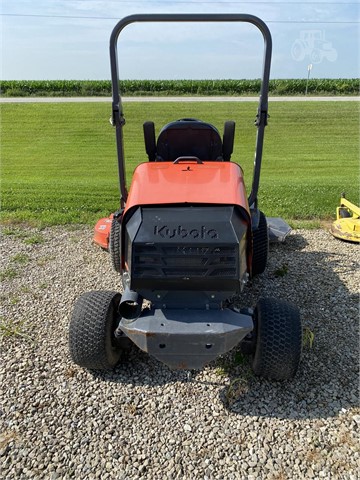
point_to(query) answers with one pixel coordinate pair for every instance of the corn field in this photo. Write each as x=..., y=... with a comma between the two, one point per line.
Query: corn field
x=68, y=88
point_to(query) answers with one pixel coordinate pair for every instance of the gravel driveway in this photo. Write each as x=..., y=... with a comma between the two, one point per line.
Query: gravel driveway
x=145, y=421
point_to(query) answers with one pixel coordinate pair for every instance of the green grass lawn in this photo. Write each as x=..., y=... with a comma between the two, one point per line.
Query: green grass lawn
x=59, y=160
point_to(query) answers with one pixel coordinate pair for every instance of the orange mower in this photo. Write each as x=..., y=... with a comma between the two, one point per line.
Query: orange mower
x=186, y=238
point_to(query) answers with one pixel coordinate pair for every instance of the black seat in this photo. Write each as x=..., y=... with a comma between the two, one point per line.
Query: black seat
x=189, y=137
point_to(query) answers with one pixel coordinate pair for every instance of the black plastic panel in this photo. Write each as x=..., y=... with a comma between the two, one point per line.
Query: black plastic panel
x=186, y=248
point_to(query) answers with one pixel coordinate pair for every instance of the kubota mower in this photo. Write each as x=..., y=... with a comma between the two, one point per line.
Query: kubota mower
x=187, y=238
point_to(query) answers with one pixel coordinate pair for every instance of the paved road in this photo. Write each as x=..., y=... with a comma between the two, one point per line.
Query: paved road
x=173, y=99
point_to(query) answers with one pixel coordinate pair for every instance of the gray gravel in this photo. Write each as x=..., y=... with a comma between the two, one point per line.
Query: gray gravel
x=145, y=421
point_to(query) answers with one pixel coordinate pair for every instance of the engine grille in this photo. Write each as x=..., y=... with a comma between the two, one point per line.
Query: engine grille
x=158, y=261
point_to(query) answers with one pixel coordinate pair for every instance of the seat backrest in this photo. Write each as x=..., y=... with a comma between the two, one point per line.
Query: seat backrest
x=189, y=137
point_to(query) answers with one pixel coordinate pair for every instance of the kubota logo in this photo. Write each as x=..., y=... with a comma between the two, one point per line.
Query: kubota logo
x=202, y=232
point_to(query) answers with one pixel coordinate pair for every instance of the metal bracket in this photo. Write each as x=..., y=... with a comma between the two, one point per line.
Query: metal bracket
x=118, y=214
x=262, y=118
x=117, y=119
x=187, y=339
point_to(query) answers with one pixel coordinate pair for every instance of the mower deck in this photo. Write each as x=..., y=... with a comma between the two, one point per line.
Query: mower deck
x=347, y=224
x=102, y=232
x=347, y=229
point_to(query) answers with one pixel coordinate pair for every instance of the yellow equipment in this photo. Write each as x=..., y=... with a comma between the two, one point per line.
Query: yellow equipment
x=347, y=223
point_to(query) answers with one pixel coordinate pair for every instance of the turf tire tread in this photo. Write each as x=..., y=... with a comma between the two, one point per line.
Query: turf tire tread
x=278, y=339
x=90, y=330
x=260, y=246
x=115, y=245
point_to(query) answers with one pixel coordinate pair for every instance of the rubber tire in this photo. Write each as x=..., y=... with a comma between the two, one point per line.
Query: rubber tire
x=115, y=245
x=278, y=336
x=260, y=246
x=94, y=319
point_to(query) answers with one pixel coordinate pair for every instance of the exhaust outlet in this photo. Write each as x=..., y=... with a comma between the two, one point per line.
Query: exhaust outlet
x=130, y=305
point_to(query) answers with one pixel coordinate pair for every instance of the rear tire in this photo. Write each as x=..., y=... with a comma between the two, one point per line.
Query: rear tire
x=278, y=339
x=114, y=245
x=92, y=343
x=260, y=246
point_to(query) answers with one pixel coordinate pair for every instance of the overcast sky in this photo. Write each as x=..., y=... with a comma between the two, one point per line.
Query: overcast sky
x=68, y=39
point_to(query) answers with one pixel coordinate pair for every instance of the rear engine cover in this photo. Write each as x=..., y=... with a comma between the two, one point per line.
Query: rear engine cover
x=190, y=248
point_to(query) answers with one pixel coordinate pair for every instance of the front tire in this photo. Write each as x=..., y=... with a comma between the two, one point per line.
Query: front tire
x=92, y=343
x=115, y=246
x=278, y=339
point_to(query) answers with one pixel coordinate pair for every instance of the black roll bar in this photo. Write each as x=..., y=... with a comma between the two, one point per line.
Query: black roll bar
x=261, y=120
